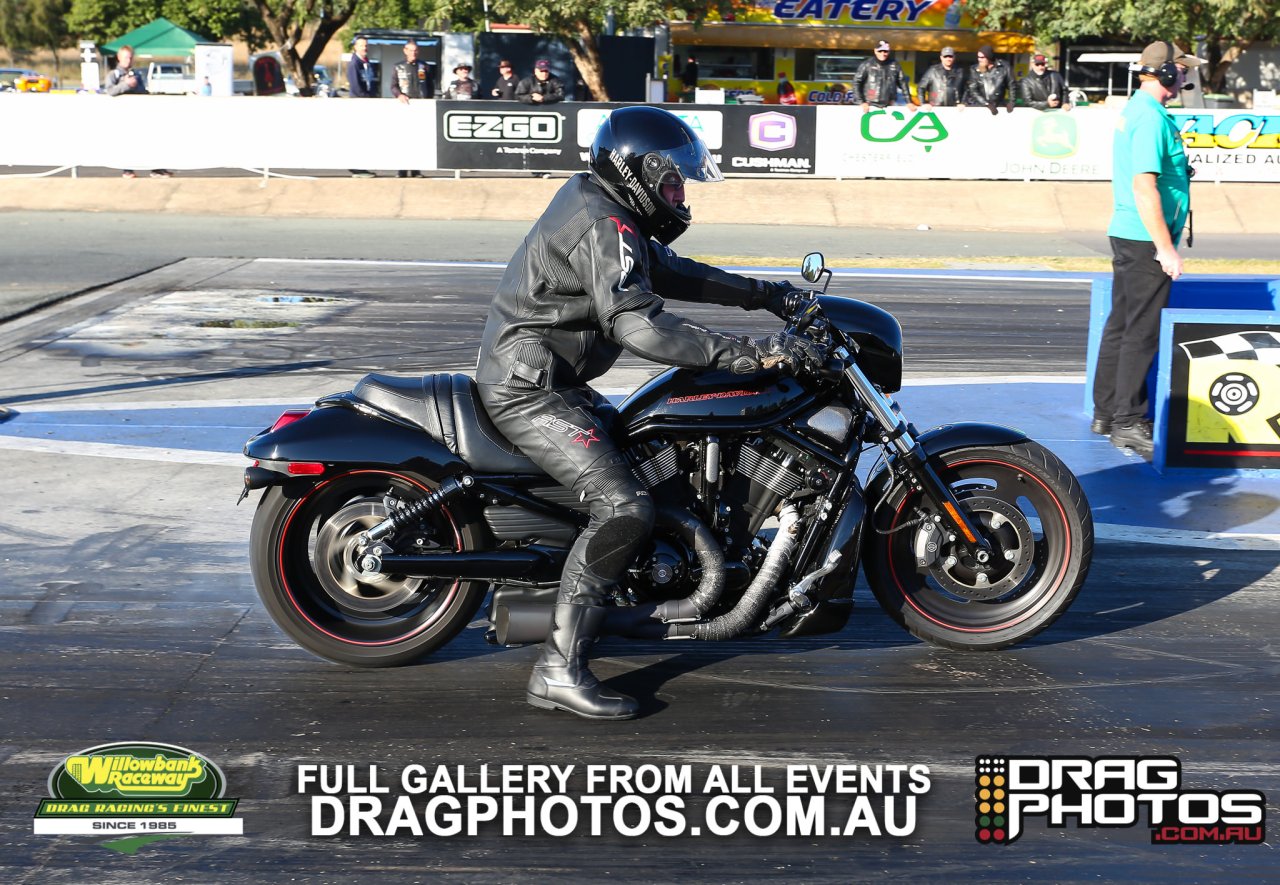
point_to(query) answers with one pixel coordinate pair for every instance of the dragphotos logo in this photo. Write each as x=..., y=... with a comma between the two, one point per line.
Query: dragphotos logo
x=475, y=126
x=1118, y=791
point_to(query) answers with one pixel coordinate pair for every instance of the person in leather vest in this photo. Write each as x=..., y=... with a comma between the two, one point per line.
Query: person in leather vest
x=878, y=80
x=1042, y=88
x=588, y=282
x=988, y=82
x=412, y=77
x=943, y=84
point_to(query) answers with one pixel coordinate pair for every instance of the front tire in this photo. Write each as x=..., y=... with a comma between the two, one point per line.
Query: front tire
x=1034, y=512
x=307, y=574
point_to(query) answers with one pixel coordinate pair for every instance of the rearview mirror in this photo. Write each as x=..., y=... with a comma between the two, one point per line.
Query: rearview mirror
x=812, y=266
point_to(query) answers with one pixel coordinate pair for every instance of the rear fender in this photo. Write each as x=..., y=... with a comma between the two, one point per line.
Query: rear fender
x=341, y=438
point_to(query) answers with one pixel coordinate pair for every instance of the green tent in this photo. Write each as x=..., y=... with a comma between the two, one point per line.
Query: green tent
x=157, y=38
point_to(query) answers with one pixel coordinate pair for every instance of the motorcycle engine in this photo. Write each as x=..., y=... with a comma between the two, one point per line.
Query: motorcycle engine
x=664, y=571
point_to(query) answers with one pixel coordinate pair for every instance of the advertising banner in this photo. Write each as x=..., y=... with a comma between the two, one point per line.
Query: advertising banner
x=1030, y=145
x=744, y=140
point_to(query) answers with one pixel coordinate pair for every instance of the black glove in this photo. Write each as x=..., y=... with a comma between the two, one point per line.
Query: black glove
x=785, y=301
x=991, y=106
x=793, y=353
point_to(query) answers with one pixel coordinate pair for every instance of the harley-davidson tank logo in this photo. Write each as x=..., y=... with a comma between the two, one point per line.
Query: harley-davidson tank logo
x=703, y=397
x=584, y=435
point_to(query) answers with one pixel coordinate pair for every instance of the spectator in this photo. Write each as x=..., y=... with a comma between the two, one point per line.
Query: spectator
x=124, y=80
x=361, y=83
x=463, y=88
x=786, y=92
x=988, y=84
x=413, y=80
x=878, y=80
x=1042, y=88
x=1151, y=199
x=413, y=77
x=689, y=76
x=505, y=87
x=542, y=88
x=943, y=84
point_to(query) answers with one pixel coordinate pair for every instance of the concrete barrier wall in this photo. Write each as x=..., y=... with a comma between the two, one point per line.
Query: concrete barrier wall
x=943, y=205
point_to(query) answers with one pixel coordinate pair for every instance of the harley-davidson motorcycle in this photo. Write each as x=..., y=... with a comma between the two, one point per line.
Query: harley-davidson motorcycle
x=392, y=511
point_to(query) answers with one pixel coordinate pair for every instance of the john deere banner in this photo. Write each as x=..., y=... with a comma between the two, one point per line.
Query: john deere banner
x=1224, y=392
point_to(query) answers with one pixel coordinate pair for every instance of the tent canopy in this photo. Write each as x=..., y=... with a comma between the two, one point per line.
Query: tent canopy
x=160, y=37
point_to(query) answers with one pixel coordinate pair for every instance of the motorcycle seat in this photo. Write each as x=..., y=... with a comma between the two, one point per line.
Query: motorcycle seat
x=448, y=408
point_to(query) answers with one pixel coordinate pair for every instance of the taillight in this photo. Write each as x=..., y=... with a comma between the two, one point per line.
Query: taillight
x=288, y=418
x=305, y=468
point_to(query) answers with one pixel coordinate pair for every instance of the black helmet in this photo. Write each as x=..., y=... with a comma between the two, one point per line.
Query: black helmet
x=637, y=149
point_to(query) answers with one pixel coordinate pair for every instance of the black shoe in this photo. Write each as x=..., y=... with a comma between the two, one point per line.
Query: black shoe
x=1100, y=426
x=1134, y=435
x=402, y=174
x=561, y=680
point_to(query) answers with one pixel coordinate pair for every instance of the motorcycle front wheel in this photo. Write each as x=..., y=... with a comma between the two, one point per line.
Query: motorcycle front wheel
x=1033, y=511
x=306, y=566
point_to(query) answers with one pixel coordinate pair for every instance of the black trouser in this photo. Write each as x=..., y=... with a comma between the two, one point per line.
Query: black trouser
x=1139, y=291
x=565, y=432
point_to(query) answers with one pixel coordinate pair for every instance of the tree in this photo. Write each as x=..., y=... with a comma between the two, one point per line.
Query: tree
x=104, y=20
x=27, y=24
x=287, y=20
x=579, y=23
x=1227, y=26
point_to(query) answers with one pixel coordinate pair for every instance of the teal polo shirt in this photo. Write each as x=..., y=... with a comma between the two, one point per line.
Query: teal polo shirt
x=1147, y=140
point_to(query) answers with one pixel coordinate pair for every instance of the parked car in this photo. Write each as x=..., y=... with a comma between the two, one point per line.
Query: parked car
x=170, y=78
x=23, y=80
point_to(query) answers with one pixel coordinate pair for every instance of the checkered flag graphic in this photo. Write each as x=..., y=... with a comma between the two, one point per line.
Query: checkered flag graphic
x=1257, y=345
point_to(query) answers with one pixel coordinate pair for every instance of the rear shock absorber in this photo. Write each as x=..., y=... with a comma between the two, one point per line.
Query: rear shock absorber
x=399, y=519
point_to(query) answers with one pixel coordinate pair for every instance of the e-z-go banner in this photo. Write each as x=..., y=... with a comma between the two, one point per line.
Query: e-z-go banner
x=508, y=136
x=960, y=143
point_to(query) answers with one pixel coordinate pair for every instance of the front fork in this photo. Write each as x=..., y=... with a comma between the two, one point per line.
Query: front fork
x=893, y=431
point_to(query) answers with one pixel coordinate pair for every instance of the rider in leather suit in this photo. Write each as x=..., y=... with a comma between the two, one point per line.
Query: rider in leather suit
x=588, y=282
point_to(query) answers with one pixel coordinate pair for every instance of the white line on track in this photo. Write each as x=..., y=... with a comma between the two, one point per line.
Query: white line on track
x=975, y=274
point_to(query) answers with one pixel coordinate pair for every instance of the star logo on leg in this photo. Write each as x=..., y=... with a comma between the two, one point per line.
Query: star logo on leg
x=586, y=437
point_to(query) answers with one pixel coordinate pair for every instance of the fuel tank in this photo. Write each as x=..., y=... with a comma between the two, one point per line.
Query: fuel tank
x=877, y=334
x=712, y=401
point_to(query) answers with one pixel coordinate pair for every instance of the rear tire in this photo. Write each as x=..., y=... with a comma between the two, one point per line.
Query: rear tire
x=1034, y=511
x=303, y=566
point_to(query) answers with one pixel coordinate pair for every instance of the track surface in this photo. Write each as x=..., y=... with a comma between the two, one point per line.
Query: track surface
x=127, y=612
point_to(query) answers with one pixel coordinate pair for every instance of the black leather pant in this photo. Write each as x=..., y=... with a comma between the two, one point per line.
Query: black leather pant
x=566, y=433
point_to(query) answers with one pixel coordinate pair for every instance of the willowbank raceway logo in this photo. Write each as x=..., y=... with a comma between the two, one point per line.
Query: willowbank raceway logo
x=1111, y=791
x=138, y=792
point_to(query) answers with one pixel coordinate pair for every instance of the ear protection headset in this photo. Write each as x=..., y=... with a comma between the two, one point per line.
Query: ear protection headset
x=1166, y=74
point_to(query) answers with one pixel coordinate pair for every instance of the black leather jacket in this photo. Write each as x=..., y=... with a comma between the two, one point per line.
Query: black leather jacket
x=585, y=285
x=551, y=90
x=989, y=87
x=1034, y=90
x=878, y=84
x=942, y=88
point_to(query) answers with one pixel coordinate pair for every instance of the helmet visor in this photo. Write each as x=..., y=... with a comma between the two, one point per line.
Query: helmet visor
x=694, y=162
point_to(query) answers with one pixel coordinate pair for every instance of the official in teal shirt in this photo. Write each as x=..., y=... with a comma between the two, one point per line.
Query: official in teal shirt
x=1151, y=195
x=1147, y=140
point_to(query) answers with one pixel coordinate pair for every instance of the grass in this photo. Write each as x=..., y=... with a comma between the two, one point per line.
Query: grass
x=1098, y=264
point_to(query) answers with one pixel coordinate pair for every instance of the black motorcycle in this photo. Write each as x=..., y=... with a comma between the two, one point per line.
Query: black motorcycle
x=393, y=510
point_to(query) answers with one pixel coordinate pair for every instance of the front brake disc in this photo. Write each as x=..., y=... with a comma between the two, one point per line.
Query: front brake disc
x=1012, y=552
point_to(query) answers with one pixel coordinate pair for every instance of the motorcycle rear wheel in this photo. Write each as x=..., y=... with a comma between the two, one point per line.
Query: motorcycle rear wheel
x=1032, y=509
x=306, y=571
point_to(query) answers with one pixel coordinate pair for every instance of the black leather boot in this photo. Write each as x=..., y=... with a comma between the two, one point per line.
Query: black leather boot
x=561, y=680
